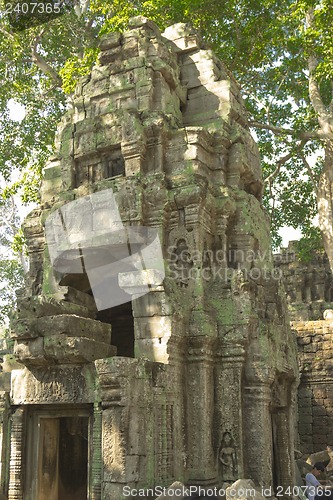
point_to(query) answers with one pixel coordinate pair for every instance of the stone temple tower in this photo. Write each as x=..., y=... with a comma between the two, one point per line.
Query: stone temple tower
x=194, y=380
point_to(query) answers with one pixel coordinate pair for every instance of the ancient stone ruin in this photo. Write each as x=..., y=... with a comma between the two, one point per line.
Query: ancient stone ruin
x=309, y=287
x=196, y=380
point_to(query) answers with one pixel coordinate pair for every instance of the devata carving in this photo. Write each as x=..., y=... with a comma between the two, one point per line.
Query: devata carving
x=228, y=458
x=181, y=263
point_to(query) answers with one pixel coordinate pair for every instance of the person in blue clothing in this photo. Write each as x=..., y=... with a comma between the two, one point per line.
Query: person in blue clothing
x=315, y=490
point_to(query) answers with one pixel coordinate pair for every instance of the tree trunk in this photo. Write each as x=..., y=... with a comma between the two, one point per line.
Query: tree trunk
x=325, y=202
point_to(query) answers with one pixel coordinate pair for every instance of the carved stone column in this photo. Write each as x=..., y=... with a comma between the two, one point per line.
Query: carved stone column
x=200, y=404
x=258, y=430
x=177, y=370
x=284, y=465
x=4, y=440
x=97, y=462
x=113, y=451
x=229, y=407
x=283, y=401
x=16, y=454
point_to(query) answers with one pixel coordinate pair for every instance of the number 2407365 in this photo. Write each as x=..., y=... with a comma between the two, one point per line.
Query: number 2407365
x=32, y=8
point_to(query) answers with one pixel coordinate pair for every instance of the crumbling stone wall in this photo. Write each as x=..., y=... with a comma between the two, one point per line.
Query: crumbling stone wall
x=207, y=394
x=309, y=286
x=309, y=290
x=315, y=394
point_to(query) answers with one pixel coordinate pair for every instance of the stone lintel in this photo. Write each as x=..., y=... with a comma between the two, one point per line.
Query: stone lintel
x=63, y=324
x=61, y=349
x=57, y=384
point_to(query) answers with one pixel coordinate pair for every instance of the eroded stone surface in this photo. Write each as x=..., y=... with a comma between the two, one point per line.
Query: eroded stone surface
x=213, y=373
x=309, y=289
x=309, y=285
x=244, y=489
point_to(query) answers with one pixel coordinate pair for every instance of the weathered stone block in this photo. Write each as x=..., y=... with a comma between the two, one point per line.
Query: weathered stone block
x=176, y=490
x=30, y=351
x=5, y=382
x=110, y=55
x=62, y=384
x=65, y=349
x=110, y=41
x=74, y=296
x=142, y=22
x=153, y=349
x=65, y=324
x=132, y=468
x=151, y=304
x=307, y=428
x=42, y=305
x=243, y=489
x=156, y=327
x=305, y=419
x=184, y=38
x=134, y=281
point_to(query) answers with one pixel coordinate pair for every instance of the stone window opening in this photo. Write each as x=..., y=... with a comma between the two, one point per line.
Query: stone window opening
x=94, y=169
x=114, y=163
x=119, y=317
x=122, y=322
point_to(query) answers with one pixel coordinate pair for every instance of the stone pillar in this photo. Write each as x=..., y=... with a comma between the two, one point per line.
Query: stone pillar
x=133, y=143
x=16, y=452
x=4, y=441
x=152, y=319
x=97, y=463
x=200, y=403
x=229, y=405
x=283, y=402
x=127, y=428
x=113, y=451
x=283, y=462
x=177, y=370
x=258, y=431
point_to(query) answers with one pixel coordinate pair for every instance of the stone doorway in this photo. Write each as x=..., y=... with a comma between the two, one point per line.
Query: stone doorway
x=57, y=455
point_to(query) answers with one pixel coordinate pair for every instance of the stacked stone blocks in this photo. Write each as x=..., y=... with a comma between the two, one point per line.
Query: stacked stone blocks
x=161, y=122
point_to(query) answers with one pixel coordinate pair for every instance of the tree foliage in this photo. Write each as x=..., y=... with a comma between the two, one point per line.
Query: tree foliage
x=12, y=261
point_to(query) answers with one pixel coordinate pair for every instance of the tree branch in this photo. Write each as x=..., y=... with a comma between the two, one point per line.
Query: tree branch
x=272, y=128
x=7, y=33
x=81, y=7
x=310, y=172
x=283, y=160
x=314, y=92
x=85, y=6
x=42, y=64
x=7, y=219
x=303, y=134
x=9, y=222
